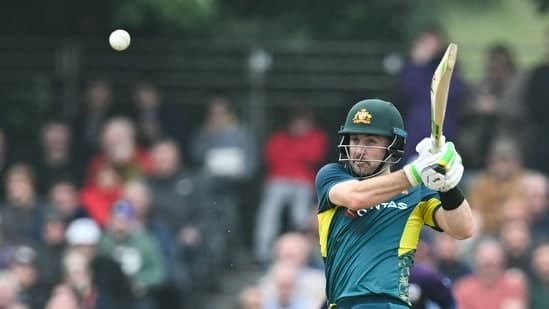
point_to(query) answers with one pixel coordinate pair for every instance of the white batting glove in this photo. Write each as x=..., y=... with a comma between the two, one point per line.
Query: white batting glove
x=446, y=174
x=429, y=161
x=442, y=181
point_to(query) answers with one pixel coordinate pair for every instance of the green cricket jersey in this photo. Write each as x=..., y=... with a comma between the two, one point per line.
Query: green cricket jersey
x=370, y=251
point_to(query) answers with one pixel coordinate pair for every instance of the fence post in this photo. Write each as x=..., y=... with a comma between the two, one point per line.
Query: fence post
x=259, y=63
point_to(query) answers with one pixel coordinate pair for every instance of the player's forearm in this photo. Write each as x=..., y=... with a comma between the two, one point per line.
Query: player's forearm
x=370, y=192
x=457, y=222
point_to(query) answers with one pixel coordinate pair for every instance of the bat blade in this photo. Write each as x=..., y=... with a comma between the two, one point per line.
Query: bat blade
x=440, y=86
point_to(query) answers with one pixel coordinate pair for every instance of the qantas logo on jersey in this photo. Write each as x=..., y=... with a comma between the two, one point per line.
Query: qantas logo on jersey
x=364, y=211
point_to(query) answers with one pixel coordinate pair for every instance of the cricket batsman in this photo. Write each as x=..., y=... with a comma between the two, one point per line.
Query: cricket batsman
x=370, y=217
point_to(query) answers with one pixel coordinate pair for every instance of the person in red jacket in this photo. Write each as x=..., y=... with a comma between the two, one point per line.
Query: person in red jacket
x=292, y=158
x=98, y=196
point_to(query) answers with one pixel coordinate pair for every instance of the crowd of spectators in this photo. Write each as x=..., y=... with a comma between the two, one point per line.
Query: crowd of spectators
x=105, y=211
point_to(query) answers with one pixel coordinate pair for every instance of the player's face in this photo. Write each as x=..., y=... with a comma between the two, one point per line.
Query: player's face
x=366, y=152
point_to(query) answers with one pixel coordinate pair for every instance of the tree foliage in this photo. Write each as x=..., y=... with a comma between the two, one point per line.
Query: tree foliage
x=171, y=16
x=319, y=19
x=542, y=6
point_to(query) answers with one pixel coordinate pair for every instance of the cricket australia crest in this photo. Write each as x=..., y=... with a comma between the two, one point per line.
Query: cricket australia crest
x=362, y=116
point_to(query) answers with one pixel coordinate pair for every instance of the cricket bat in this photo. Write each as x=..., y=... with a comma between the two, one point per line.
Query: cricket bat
x=439, y=93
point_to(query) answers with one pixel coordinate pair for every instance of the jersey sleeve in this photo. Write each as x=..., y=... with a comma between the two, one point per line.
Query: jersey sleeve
x=430, y=202
x=326, y=178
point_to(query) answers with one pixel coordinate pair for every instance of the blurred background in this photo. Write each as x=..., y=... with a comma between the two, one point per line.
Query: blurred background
x=179, y=173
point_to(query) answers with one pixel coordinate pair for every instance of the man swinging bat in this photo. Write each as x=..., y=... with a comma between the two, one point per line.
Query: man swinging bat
x=370, y=217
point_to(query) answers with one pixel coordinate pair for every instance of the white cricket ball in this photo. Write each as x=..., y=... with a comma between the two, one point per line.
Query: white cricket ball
x=119, y=39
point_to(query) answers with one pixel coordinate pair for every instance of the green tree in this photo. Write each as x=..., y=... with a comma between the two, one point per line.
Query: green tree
x=167, y=16
x=319, y=19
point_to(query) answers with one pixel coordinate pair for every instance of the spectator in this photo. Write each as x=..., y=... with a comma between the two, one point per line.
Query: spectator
x=429, y=288
x=63, y=297
x=490, y=286
x=82, y=235
x=285, y=279
x=536, y=97
x=154, y=119
x=223, y=145
x=98, y=197
x=516, y=242
x=293, y=249
x=179, y=194
x=98, y=279
x=447, y=258
x=64, y=200
x=136, y=250
x=77, y=276
x=32, y=292
x=8, y=292
x=415, y=80
x=112, y=285
x=497, y=107
x=138, y=195
x=227, y=151
x=539, y=279
x=22, y=212
x=514, y=208
x=147, y=103
x=251, y=298
x=423, y=254
x=55, y=160
x=292, y=156
x=120, y=150
x=498, y=183
x=96, y=109
x=534, y=186
x=50, y=252
x=182, y=197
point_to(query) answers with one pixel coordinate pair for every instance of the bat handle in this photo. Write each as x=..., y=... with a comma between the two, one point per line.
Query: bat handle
x=436, y=148
x=435, y=144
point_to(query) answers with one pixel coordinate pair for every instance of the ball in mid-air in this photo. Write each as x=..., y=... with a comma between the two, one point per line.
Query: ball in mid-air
x=119, y=39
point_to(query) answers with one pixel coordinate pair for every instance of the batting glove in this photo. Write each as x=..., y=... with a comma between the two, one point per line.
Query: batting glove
x=416, y=172
x=444, y=176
